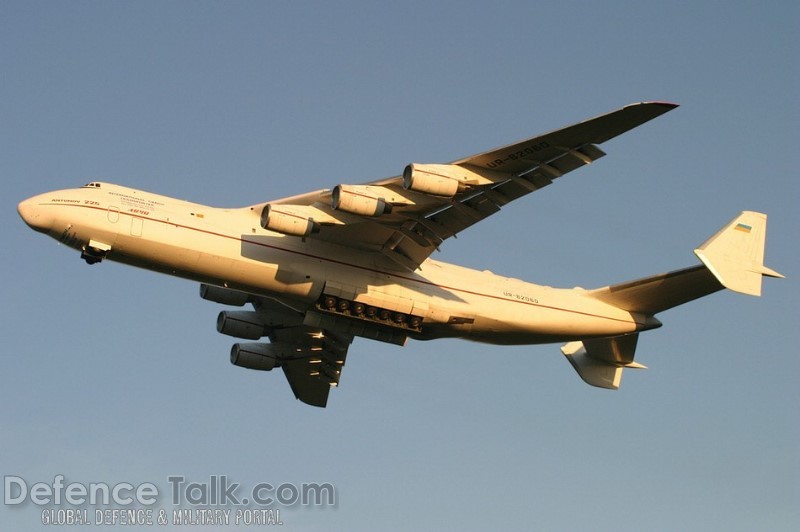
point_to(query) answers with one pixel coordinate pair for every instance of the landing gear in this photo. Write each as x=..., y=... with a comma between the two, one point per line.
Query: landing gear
x=94, y=252
x=90, y=259
x=361, y=311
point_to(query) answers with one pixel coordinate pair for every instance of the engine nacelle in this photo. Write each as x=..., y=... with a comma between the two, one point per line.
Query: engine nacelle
x=289, y=220
x=226, y=296
x=356, y=200
x=431, y=179
x=254, y=356
x=447, y=179
x=264, y=356
x=241, y=324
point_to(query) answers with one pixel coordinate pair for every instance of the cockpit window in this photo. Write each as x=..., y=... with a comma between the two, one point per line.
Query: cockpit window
x=92, y=185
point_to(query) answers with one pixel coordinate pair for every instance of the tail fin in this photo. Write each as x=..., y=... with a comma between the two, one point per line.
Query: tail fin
x=733, y=258
x=735, y=255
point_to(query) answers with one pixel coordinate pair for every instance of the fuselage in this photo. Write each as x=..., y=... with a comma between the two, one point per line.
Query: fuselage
x=229, y=248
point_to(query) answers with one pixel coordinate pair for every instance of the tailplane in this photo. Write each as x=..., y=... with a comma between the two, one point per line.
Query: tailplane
x=600, y=362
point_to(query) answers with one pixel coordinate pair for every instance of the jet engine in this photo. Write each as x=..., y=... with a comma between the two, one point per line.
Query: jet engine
x=436, y=179
x=258, y=356
x=356, y=200
x=447, y=179
x=226, y=296
x=289, y=220
x=241, y=324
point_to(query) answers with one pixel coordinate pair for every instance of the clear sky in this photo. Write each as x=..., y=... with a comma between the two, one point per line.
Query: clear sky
x=113, y=374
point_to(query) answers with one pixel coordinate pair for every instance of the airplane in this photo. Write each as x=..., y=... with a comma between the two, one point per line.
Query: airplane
x=324, y=267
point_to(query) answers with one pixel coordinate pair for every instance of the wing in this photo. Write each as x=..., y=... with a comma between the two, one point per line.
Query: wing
x=407, y=217
x=315, y=368
x=312, y=357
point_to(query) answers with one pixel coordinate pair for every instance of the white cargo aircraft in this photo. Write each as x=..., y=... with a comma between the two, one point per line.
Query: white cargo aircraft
x=324, y=267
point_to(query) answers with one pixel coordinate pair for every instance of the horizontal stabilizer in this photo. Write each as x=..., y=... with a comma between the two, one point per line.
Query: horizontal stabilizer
x=600, y=362
x=735, y=255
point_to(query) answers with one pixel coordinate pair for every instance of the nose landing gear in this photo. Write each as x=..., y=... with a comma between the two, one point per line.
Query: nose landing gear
x=94, y=252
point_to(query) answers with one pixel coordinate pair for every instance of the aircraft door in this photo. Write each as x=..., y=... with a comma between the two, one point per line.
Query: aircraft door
x=136, y=226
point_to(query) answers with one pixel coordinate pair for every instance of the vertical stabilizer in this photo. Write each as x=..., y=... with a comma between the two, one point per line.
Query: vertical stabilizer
x=735, y=255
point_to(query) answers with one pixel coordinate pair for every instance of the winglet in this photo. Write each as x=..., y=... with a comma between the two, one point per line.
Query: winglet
x=735, y=255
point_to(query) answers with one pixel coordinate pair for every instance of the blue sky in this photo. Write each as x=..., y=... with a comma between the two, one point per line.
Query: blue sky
x=114, y=374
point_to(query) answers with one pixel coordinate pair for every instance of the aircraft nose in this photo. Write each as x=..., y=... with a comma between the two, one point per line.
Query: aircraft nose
x=25, y=210
x=32, y=214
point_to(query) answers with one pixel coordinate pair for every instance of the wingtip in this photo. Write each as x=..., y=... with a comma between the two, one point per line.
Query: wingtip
x=668, y=105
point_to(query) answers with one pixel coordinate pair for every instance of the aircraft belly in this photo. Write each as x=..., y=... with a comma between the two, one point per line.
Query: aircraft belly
x=545, y=329
x=548, y=316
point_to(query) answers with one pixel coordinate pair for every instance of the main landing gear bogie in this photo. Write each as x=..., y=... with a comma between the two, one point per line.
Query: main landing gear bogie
x=357, y=309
